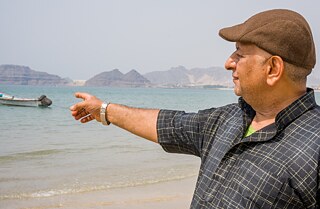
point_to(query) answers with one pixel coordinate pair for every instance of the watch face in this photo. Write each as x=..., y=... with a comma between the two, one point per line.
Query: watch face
x=103, y=107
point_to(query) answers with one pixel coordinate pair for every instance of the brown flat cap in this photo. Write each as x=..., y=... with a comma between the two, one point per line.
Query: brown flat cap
x=280, y=32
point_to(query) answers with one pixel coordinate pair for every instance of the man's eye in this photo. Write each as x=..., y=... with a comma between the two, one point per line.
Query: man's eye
x=239, y=55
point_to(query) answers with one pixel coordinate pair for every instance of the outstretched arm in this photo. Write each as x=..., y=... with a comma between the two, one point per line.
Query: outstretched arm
x=141, y=122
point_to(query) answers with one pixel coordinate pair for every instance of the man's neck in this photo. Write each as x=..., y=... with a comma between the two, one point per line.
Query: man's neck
x=266, y=113
x=260, y=121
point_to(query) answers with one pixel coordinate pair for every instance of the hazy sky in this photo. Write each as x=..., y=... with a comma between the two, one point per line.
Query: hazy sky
x=81, y=38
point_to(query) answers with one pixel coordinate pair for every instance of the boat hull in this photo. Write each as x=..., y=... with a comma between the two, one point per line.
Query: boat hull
x=42, y=101
x=21, y=102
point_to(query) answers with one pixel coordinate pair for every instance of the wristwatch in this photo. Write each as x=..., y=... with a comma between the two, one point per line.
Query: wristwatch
x=103, y=114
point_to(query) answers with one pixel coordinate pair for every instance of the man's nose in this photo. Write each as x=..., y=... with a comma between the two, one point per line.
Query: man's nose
x=230, y=64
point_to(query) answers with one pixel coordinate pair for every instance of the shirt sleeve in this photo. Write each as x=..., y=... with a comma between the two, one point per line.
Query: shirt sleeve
x=181, y=132
x=318, y=192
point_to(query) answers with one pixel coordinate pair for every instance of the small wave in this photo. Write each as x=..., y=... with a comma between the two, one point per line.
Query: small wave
x=51, y=193
x=28, y=155
x=85, y=189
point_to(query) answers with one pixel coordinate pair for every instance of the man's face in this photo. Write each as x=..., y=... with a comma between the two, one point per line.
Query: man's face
x=248, y=65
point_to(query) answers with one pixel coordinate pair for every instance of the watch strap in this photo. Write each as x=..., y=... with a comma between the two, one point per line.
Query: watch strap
x=103, y=114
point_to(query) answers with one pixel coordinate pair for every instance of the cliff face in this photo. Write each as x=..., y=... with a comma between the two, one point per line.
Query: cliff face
x=22, y=75
x=180, y=76
x=117, y=79
x=175, y=77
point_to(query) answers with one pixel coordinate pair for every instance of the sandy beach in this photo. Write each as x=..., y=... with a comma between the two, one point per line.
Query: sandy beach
x=168, y=195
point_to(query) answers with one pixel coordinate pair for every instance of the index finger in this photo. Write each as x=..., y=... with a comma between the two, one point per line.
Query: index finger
x=82, y=95
x=77, y=107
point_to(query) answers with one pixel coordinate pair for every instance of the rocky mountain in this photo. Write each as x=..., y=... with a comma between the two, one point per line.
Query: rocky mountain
x=211, y=77
x=182, y=77
x=117, y=79
x=22, y=75
x=176, y=76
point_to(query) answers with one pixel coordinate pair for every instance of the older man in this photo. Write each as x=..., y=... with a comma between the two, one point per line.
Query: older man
x=260, y=153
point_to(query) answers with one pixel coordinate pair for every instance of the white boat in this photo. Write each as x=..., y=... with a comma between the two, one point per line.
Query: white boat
x=42, y=101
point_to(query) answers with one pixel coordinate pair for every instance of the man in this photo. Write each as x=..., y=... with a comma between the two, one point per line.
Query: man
x=263, y=152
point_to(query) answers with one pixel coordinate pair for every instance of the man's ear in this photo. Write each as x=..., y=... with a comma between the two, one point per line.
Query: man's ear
x=275, y=70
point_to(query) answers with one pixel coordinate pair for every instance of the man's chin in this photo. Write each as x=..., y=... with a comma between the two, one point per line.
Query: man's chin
x=237, y=91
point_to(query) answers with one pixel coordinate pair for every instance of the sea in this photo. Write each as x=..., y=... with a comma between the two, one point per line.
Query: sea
x=44, y=152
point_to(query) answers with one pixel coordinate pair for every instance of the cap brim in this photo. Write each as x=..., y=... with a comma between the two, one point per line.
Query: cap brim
x=233, y=33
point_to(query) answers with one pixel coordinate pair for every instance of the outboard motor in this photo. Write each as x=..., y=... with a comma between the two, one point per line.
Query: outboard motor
x=45, y=102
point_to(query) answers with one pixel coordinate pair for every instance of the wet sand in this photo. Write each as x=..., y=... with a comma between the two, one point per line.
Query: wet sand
x=165, y=195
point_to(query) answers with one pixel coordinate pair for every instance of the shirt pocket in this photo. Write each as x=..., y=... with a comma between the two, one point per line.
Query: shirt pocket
x=253, y=187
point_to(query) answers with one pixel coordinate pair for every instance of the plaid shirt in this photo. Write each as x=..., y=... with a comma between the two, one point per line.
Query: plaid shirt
x=276, y=167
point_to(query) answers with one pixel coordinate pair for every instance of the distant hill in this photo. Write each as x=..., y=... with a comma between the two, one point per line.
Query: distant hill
x=117, y=79
x=23, y=75
x=182, y=77
x=212, y=77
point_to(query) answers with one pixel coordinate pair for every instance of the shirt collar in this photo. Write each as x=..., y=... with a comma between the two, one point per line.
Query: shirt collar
x=287, y=115
x=296, y=109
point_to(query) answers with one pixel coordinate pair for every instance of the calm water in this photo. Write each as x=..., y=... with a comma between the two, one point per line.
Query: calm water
x=44, y=152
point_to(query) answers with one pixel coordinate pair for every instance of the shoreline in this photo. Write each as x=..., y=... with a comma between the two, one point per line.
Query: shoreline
x=170, y=195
